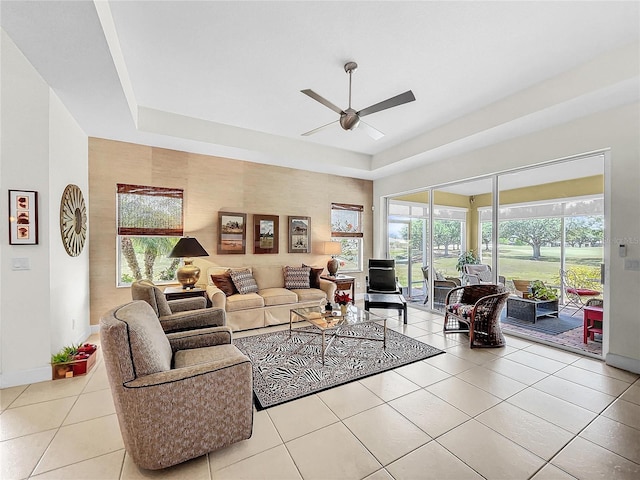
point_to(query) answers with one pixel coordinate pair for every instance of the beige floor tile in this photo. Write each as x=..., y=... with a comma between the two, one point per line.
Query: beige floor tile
x=614, y=436
x=389, y=385
x=532, y=360
x=381, y=474
x=301, y=416
x=550, y=472
x=264, y=437
x=516, y=371
x=348, y=458
x=602, y=383
x=273, y=464
x=504, y=460
x=431, y=462
x=587, y=461
x=104, y=467
x=438, y=341
x=492, y=382
x=553, y=409
x=349, y=399
x=409, y=330
x=473, y=355
x=98, y=381
x=574, y=393
x=503, y=351
x=19, y=456
x=51, y=390
x=464, y=396
x=632, y=394
x=429, y=412
x=422, y=373
x=194, y=469
x=386, y=433
x=19, y=421
x=81, y=441
x=8, y=395
x=553, y=353
x=624, y=412
x=598, y=366
x=450, y=363
x=527, y=430
x=91, y=405
x=518, y=342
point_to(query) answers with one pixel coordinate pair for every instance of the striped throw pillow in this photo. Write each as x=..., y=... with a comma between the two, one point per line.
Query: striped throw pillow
x=296, y=277
x=244, y=281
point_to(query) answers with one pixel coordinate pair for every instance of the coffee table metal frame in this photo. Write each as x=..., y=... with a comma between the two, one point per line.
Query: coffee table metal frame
x=330, y=324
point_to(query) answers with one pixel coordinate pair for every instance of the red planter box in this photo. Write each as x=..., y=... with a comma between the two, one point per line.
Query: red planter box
x=72, y=369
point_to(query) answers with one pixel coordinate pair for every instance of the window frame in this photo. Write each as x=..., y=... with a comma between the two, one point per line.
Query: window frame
x=355, y=235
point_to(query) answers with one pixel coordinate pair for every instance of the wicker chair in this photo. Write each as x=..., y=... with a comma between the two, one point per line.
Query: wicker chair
x=475, y=309
x=179, y=395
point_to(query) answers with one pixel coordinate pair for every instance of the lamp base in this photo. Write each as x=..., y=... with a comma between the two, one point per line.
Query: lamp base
x=188, y=275
x=332, y=267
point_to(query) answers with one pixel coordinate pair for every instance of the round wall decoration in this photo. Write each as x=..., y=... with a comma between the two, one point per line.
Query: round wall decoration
x=73, y=220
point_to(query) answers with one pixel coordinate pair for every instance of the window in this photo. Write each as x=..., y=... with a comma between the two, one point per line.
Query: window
x=149, y=224
x=346, y=228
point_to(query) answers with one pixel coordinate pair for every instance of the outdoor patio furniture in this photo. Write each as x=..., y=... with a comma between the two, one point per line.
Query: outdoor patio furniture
x=475, y=309
x=574, y=295
x=592, y=315
x=479, y=275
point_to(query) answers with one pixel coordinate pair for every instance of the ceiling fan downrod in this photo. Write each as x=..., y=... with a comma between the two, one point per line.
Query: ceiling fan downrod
x=349, y=119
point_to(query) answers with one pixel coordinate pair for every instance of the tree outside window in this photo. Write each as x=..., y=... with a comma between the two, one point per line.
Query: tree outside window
x=346, y=227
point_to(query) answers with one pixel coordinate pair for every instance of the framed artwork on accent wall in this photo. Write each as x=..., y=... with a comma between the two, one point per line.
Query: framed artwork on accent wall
x=299, y=234
x=265, y=234
x=232, y=233
x=23, y=217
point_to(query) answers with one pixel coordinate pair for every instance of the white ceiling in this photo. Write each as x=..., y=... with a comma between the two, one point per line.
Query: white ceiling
x=224, y=78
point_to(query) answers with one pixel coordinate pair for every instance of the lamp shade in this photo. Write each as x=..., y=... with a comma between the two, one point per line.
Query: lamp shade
x=188, y=247
x=332, y=248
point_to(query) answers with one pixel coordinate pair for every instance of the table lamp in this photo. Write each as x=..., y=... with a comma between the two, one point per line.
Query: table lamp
x=333, y=249
x=186, y=248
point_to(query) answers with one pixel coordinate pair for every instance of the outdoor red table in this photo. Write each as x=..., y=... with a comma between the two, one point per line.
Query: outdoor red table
x=591, y=316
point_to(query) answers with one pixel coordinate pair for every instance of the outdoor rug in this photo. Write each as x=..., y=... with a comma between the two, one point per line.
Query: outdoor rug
x=550, y=325
x=286, y=368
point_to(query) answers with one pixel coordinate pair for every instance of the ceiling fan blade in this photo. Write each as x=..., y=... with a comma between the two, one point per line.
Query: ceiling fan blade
x=372, y=132
x=322, y=100
x=405, y=97
x=311, y=132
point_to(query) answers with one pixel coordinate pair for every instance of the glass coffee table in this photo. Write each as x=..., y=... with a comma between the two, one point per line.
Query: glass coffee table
x=329, y=324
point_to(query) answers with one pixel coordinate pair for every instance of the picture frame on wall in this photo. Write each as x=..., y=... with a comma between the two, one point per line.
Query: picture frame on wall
x=23, y=217
x=265, y=233
x=232, y=233
x=299, y=234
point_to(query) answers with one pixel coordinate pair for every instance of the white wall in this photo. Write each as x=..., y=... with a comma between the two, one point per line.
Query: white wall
x=616, y=129
x=41, y=149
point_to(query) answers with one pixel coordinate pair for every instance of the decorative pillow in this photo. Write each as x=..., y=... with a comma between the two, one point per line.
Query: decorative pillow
x=314, y=276
x=224, y=283
x=485, y=276
x=244, y=281
x=439, y=276
x=296, y=277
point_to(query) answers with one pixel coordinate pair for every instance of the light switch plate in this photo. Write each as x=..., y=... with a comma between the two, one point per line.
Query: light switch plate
x=20, y=263
x=632, y=264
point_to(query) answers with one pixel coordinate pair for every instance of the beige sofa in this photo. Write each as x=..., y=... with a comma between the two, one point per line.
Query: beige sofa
x=272, y=303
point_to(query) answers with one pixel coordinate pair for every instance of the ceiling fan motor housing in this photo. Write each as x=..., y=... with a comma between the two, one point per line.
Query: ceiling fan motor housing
x=349, y=119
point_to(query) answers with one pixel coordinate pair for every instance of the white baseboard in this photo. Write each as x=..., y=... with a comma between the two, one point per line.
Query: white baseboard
x=625, y=363
x=25, y=377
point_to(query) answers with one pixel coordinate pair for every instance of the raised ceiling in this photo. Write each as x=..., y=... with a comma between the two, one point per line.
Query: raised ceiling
x=224, y=78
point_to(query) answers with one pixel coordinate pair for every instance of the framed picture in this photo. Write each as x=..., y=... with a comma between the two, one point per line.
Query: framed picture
x=299, y=234
x=23, y=217
x=232, y=233
x=265, y=234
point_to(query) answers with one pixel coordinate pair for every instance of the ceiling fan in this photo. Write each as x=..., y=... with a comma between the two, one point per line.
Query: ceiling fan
x=349, y=118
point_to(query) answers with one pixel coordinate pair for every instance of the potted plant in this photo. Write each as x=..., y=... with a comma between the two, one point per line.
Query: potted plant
x=466, y=258
x=73, y=360
x=342, y=299
x=539, y=291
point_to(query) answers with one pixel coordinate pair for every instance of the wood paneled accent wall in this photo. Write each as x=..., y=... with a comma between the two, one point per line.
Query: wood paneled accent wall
x=212, y=184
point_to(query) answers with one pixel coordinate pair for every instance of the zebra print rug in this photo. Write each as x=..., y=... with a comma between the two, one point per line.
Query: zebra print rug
x=285, y=369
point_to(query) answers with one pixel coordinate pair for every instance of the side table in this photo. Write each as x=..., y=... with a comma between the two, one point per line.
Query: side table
x=343, y=282
x=174, y=293
x=591, y=315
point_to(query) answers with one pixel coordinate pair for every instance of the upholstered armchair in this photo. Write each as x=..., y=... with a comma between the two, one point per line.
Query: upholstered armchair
x=475, y=310
x=179, y=395
x=479, y=275
x=177, y=315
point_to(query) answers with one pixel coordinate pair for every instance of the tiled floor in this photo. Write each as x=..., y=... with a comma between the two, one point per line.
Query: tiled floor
x=523, y=411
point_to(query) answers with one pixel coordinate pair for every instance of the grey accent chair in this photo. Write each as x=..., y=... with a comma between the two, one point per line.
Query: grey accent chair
x=179, y=395
x=177, y=315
